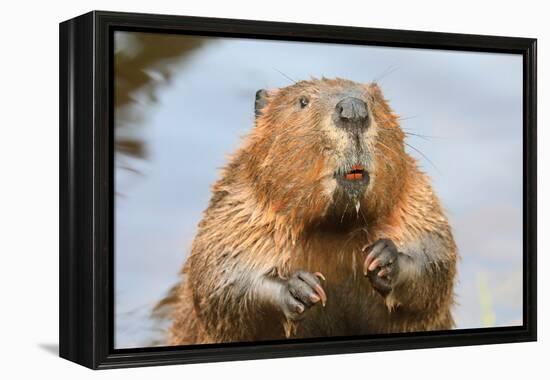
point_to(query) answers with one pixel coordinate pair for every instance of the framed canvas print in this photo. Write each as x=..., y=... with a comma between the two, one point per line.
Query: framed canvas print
x=236, y=189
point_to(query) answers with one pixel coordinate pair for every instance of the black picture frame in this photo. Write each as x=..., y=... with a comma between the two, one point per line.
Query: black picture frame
x=86, y=188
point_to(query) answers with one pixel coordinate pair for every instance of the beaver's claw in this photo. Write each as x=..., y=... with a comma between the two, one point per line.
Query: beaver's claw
x=381, y=266
x=302, y=291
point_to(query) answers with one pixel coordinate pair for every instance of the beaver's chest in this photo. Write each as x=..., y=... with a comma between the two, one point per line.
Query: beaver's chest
x=351, y=301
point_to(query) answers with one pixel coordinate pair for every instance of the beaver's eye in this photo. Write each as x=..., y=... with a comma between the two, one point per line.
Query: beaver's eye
x=304, y=101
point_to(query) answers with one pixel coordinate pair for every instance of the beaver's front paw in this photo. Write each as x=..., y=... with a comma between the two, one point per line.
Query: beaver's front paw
x=381, y=266
x=301, y=291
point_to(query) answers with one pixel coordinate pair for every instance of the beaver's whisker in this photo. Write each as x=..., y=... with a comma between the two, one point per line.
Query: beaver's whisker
x=387, y=119
x=423, y=155
x=344, y=213
x=400, y=118
x=283, y=74
x=412, y=131
x=385, y=73
x=364, y=217
x=388, y=148
x=424, y=137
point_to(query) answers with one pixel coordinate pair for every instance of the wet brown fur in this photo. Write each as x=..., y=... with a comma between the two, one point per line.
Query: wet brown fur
x=273, y=211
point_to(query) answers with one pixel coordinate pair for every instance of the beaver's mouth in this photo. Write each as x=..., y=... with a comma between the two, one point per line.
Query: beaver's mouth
x=357, y=173
x=353, y=181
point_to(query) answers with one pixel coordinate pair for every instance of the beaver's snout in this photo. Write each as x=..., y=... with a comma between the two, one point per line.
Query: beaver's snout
x=352, y=113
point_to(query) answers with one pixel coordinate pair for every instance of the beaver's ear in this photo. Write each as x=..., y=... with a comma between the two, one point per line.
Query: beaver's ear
x=261, y=101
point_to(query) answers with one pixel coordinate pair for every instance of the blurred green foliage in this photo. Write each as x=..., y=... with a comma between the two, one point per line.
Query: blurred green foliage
x=488, y=316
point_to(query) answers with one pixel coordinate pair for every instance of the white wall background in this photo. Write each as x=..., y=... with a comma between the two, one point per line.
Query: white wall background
x=29, y=190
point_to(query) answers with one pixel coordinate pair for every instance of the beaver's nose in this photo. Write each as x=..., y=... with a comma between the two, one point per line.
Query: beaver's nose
x=352, y=110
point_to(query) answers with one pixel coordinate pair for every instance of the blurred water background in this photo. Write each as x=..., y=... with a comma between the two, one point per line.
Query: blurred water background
x=183, y=103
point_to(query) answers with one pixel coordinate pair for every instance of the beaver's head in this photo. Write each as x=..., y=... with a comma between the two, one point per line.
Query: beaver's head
x=326, y=147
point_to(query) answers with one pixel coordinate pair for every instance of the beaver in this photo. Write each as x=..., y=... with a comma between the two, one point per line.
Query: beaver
x=319, y=225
